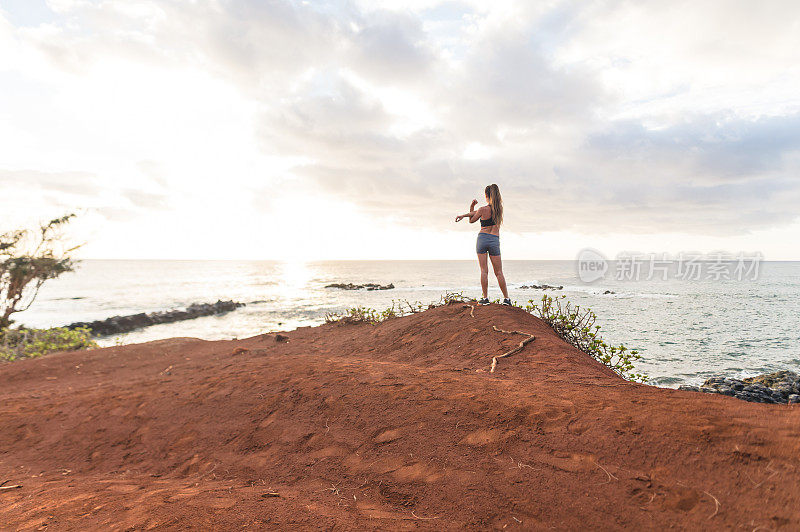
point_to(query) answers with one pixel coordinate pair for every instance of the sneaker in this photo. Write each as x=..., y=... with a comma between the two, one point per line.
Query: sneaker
x=483, y=301
x=507, y=302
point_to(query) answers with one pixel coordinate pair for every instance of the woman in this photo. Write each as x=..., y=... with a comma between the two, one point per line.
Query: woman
x=491, y=216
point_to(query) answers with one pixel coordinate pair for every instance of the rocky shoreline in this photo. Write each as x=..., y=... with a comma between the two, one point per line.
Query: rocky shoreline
x=780, y=387
x=553, y=287
x=541, y=287
x=124, y=324
x=368, y=286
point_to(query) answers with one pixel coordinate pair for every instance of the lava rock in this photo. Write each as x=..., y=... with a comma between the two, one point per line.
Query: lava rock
x=124, y=324
x=777, y=387
x=368, y=286
x=541, y=287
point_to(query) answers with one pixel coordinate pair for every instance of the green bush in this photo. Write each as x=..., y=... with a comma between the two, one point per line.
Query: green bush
x=357, y=315
x=30, y=343
x=400, y=307
x=577, y=327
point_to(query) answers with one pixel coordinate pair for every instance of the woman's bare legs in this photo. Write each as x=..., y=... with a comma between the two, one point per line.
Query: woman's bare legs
x=497, y=265
x=482, y=262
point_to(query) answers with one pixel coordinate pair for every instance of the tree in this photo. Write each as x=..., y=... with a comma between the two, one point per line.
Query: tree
x=28, y=258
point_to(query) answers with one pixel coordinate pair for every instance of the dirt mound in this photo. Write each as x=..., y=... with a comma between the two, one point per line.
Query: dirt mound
x=394, y=426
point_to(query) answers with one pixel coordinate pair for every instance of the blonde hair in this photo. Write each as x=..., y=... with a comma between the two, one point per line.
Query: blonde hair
x=496, y=201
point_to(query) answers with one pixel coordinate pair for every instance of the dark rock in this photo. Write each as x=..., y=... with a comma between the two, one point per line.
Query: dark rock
x=541, y=287
x=608, y=292
x=368, y=286
x=124, y=324
x=281, y=338
x=777, y=387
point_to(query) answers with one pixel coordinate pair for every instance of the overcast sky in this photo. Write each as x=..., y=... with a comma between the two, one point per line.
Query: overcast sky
x=277, y=129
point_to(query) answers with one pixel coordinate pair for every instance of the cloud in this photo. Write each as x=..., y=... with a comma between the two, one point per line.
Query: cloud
x=146, y=200
x=76, y=183
x=390, y=46
x=56, y=193
x=592, y=116
x=718, y=147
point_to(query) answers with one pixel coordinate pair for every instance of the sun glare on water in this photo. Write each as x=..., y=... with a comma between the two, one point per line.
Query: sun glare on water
x=294, y=277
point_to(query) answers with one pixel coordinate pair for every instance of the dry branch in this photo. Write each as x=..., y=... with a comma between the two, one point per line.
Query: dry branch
x=423, y=518
x=610, y=476
x=530, y=338
x=716, y=510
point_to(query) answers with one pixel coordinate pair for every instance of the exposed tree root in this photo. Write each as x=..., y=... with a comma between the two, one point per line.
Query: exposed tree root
x=716, y=510
x=530, y=338
x=471, y=310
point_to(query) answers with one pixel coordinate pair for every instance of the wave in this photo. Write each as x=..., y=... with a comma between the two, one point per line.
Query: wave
x=601, y=291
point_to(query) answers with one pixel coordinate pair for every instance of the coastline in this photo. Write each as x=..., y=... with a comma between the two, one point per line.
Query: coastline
x=395, y=425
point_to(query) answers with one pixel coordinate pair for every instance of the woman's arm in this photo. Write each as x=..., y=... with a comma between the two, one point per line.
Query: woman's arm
x=470, y=214
x=473, y=216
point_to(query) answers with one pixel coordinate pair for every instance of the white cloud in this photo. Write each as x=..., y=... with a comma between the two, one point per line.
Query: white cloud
x=601, y=119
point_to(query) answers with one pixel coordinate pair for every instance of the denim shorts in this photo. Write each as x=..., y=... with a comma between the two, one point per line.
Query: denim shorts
x=488, y=242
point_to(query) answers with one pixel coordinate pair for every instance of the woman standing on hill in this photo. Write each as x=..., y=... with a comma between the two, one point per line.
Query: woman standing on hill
x=491, y=216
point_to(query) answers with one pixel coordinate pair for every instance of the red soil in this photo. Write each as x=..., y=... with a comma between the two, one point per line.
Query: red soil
x=394, y=426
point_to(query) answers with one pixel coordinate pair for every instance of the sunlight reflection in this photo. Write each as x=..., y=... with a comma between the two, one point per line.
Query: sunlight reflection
x=293, y=278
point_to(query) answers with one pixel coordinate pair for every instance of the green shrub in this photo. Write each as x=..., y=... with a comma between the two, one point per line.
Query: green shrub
x=577, y=327
x=357, y=315
x=400, y=307
x=30, y=343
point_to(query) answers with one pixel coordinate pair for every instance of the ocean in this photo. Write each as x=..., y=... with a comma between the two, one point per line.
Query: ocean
x=686, y=329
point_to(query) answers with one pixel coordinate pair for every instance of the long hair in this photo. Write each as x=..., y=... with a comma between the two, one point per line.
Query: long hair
x=496, y=201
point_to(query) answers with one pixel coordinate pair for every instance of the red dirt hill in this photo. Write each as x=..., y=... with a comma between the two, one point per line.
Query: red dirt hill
x=394, y=426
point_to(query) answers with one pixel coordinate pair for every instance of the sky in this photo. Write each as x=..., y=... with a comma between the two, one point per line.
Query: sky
x=311, y=130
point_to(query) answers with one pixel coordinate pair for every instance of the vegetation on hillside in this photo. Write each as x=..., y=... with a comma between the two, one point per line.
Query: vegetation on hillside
x=573, y=324
x=577, y=327
x=28, y=343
